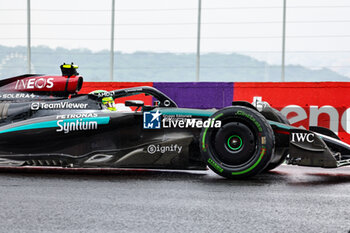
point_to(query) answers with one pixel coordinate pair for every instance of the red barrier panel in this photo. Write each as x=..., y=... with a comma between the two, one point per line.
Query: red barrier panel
x=324, y=104
x=110, y=86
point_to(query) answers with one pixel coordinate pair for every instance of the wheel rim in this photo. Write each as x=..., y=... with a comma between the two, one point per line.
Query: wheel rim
x=234, y=142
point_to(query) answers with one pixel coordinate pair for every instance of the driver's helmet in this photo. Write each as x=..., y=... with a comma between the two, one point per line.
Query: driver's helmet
x=108, y=102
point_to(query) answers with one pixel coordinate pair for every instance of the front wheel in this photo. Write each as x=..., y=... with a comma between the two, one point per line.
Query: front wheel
x=242, y=147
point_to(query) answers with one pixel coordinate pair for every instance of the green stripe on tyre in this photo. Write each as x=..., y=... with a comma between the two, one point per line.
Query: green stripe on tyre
x=215, y=165
x=205, y=133
x=254, y=165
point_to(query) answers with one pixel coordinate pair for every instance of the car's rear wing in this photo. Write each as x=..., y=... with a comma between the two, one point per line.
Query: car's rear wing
x=35, y=85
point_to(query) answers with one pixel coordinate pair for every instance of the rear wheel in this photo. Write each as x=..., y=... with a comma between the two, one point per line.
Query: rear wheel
x=242, y=147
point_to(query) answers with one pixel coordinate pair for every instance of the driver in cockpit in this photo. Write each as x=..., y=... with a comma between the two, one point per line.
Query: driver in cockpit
x=109, y=104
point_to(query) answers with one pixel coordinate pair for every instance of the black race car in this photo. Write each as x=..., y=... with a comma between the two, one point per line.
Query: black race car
x=44, y=122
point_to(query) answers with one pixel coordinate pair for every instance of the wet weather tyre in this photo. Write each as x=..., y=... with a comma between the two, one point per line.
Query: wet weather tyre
x=281, y=153
x=243, y=145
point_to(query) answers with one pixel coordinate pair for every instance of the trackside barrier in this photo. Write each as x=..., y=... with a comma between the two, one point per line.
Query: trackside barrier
x=305, y=104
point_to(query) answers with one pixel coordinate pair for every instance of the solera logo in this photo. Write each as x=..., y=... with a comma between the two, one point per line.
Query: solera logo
x=302, y=137
x=34, y=83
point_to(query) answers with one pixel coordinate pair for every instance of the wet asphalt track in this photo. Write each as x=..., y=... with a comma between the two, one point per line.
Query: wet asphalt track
x=291, y=199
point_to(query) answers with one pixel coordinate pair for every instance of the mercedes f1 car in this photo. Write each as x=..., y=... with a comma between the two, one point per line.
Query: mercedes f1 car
x=45, y=122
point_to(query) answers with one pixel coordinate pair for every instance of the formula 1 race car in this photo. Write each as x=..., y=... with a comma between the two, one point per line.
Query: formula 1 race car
x=45, y=122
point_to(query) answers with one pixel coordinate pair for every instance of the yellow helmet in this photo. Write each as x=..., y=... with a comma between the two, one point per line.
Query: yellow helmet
x=109, y=103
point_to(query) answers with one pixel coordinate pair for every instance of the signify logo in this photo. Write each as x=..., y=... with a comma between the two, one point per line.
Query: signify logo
x=151, y=149
x=81, y=124
x=151, y=120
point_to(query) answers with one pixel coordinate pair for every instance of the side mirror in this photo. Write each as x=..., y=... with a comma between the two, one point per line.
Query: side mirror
x=134, y=103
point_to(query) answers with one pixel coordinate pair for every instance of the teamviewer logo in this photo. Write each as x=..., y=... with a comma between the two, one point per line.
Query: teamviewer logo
x=151, y=120
x=35, y=106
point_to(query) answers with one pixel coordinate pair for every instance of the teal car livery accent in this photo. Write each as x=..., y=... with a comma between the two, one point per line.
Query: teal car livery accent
x=56, y=123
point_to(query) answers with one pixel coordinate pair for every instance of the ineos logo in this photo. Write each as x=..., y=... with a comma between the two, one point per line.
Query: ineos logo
x=34, y=83
x=302, y=137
